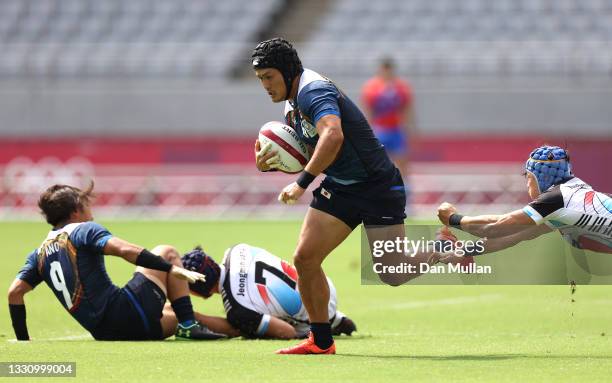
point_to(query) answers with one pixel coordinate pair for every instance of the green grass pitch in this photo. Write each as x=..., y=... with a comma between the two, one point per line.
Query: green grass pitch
x=416, y=333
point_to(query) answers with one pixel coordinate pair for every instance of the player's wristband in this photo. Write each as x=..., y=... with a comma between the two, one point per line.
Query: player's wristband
x=18, y=317
x=455, y=220
x=152, y=261
x=305, y=179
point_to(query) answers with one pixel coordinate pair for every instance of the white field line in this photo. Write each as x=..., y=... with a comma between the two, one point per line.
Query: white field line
x=442, y=302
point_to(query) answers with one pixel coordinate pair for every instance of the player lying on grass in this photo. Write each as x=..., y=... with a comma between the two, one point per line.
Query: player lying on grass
x=71, y=261
x=561, y=202
x=260, y=294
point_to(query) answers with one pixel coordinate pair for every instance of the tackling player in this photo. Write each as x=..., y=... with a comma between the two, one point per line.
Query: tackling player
x=361, y=185
x=71, y=262
x=561, y=202
x=260, y=293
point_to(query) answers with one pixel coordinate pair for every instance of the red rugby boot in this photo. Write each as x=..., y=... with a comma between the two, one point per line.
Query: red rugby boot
x=307, y=347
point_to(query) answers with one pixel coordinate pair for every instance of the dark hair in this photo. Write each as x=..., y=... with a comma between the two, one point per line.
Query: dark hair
x=387, y=62
x=278, y=53
x=58, y=202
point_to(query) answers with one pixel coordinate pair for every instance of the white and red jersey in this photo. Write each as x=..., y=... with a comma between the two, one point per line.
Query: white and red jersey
x=256, y=285
x=582, y=215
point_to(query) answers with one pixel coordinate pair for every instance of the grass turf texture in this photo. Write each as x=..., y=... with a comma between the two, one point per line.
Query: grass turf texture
x=436, y=333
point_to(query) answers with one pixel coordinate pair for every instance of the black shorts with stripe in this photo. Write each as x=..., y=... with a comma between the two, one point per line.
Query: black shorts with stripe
x=375, y=203
x=135, y=313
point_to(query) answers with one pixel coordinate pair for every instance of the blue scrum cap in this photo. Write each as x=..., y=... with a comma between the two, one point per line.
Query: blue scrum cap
x=198, y=260
x=550, y=165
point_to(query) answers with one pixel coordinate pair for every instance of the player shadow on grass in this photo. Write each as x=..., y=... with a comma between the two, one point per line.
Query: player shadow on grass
x=492, y=357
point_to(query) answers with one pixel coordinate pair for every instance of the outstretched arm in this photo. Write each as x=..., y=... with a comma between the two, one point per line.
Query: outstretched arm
x=124, y=249
x=140, y=256
x=490, y=226
x=501, y=243
x=17, y=308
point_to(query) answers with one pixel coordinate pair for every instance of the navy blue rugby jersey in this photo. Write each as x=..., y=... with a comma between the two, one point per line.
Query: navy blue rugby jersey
x=362, y=157
x=71, y=262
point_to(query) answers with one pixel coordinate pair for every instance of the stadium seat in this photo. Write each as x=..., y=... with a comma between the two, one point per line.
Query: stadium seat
x=125, y=36
x=388, y=23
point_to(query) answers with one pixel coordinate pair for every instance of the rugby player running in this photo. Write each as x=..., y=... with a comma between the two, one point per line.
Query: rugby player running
x=362, y=185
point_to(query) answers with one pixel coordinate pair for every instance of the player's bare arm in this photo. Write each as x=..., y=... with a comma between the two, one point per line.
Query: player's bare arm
x=18, y=289
x=497, y=244
x=17, y=307
x=138, y=255
x=490, y=226
x=446, y=209
x=121, y=248
x=329, y=128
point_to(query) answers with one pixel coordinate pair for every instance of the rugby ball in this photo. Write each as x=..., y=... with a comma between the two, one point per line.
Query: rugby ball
x=292, y=151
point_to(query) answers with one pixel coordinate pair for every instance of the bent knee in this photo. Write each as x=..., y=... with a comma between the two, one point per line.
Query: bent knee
x=305, y=260
x=167, y=252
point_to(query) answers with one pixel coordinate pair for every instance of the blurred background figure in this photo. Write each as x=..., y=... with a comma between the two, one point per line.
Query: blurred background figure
x=387, y=102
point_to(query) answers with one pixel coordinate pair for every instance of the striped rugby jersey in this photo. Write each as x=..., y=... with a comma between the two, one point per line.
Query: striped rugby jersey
x=582, y=215
x=257, y=285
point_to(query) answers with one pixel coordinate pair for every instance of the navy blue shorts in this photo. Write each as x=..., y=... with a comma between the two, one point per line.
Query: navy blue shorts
x=135, y=313
x=379, y=203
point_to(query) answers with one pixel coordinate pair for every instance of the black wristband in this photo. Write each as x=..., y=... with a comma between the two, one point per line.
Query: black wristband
x=152, y=261
x=18, y=317
x=455, y=220
x=305, y=179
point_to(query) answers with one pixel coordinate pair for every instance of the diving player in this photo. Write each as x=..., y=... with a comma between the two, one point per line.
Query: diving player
x=361, y=185
x=260, y=293
x=561, y=202
x=71, y=262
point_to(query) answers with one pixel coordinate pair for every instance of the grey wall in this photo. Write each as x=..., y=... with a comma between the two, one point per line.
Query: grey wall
x=566, y=107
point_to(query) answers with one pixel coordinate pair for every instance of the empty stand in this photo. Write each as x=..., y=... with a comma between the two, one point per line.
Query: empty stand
x=133, y=38
x=432, y=37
